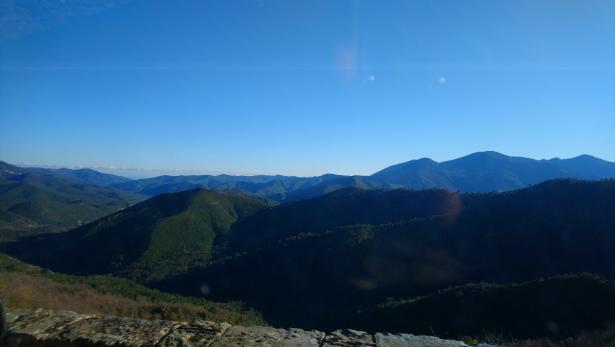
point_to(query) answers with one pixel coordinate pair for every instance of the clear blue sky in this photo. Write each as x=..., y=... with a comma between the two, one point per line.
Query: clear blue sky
x=308, y=87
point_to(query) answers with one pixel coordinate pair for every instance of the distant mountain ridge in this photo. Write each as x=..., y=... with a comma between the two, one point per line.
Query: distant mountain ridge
x=492, y=171
x=477, y=172
x=84, y=175
x=87, y=175
x=34, y=200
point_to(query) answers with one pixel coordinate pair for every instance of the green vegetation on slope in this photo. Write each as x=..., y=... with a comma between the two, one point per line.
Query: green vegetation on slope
x=187, y=238
x=161, y=236
x=315, y=263
x=314, y=269
x=25, y=286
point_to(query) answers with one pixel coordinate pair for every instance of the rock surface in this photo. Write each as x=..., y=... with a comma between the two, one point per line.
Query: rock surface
x=47, y=328
x=408, y=340
x=349, y=337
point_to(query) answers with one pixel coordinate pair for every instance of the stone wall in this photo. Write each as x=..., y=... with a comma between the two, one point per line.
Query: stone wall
x=47, y=328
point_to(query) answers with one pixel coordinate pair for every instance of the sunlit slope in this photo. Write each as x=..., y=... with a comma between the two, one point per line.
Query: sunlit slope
x=161, y=236
x=25, y=286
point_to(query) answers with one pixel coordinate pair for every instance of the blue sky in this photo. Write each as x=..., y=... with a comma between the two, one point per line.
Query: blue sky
x=308, y=87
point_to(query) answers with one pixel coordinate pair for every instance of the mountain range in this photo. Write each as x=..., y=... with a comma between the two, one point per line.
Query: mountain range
x=492, y=171
x=34, y=201
x=320, y=262
x=336, y=251
x=88, y=176
x=477, y=172
x=316, y=262
x=39, y=200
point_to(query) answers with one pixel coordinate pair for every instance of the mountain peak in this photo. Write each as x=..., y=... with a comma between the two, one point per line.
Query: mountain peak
x=425, y=160
x=585, y=157
x=485, y=155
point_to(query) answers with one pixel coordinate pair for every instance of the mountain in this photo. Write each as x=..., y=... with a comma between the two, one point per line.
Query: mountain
x=314, y=263
x=88, y=176
x=85, y=175
x=422, y=173
x=492, y=171
x=477, y=172
x=151, y=240
x=329, y=183
x=348, y=206
x=587, y=166
x=278, y=188
x=34, y=201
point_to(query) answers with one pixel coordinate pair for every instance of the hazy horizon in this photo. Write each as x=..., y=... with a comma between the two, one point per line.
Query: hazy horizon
x=139, y=173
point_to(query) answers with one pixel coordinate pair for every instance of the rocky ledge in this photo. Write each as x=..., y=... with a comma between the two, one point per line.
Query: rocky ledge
x=64, y=328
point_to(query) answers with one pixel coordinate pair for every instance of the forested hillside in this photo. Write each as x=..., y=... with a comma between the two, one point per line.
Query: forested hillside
x=39, y=201
x=307, y=270
x=317, y=263
x=151, y=240
x=564, y=305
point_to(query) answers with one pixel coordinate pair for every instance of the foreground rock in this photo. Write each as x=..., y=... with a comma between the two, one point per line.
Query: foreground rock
x=47, y=328
x=399, y=340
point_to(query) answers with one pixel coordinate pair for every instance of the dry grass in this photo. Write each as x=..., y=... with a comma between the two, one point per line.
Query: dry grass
x=29, y=287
